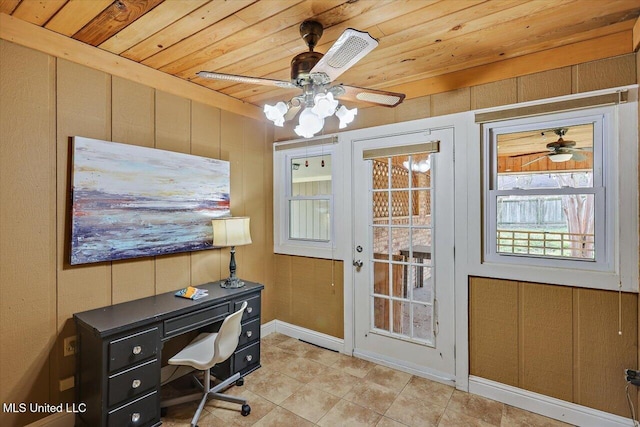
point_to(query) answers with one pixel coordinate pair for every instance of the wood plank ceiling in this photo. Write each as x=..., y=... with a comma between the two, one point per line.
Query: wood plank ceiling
x=419, y=39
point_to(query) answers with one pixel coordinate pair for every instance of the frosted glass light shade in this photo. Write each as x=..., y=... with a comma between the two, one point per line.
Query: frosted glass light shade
x=276, y=113
x=325, y=105
x=231, y=231
x=346, y=116
x=560, y=157
x=309, y=124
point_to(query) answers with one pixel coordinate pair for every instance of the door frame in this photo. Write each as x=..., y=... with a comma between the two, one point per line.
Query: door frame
x=462, y=125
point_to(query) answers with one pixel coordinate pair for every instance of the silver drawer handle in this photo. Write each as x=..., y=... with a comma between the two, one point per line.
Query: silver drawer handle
x=249, y=309
x=136, y=383
x=249, y=333
x=135, y=417
x=249, y=357
x=137, y=349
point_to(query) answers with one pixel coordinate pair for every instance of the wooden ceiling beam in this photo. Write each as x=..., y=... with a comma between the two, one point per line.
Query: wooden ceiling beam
x=51, y=43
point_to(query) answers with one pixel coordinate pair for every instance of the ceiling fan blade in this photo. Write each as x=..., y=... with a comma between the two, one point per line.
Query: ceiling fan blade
x=372, y=96
x=533, y=161
x=578, y=157
x=351, y=46
x=528, y=154
x=246, y=79
x=580, y=149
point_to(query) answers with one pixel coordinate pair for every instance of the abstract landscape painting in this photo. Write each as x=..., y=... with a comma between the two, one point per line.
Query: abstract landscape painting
x=131, y=201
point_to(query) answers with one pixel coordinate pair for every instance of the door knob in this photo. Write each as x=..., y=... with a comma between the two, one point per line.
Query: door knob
x=357, y=263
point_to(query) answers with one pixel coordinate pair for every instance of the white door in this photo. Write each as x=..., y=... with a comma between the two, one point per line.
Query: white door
x=403, y=251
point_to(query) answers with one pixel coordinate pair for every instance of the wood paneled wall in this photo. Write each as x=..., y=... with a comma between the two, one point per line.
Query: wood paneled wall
x=554, y=340
x=43, y=102
x=310, y=293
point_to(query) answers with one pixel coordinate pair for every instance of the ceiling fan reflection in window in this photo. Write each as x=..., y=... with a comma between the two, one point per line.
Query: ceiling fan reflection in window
x=313, y=73
x=559, y=151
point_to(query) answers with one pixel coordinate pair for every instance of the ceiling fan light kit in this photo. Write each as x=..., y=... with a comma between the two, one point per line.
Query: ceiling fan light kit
x=313, y=72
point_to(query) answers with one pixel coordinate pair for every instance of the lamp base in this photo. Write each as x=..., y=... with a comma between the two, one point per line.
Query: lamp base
x=232, y=282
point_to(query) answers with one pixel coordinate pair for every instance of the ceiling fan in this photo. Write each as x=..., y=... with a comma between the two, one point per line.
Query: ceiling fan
x=560, y=151
x=313, y=72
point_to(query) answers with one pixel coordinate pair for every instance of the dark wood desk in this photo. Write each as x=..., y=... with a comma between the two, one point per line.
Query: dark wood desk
x=420, y=253
x=119, y=357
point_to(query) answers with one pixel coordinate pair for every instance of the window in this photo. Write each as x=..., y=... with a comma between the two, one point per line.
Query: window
x=306, y=182
x=550, y=191
x=309, y=196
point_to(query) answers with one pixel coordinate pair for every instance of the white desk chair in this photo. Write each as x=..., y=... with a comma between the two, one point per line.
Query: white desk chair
x=206, y=350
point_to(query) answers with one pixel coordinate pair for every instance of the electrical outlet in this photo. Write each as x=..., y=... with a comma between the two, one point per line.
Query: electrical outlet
x=69, y=344
x=632, y=376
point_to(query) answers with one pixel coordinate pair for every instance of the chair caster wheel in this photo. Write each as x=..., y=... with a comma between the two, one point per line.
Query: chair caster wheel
x=240, y=382
x=163, y=412
x=246, y=410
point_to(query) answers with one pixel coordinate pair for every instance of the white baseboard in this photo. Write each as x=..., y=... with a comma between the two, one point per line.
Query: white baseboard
x=417, y=370
x=304, y=334
x=267, y=328
x=544, y=405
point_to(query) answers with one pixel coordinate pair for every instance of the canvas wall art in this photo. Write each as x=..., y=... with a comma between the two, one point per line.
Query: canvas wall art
x=131, y=201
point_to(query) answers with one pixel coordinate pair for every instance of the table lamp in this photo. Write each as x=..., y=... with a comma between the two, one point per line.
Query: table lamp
x=231, y=231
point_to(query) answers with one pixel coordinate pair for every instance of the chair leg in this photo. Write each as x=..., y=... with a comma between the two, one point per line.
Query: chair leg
x=207, y=387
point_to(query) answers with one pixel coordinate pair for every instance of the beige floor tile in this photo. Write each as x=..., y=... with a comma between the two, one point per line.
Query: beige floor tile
x=280, y=417
x=354, y=366
x=335, y=381
x=295, y=346
x=474, y=406
x=422, y=388
x=231, y=412
x=456, y=419
x=349, y=414
x=410, y=411
x=300, y=384
x=304, y=370
x=273, y=386
x=180, y=415
x=371, y=396
x=390, y=378
x=273, y=339
x=388, y=422
x=515, y=417
x=279, y=360
x=310, y=403
x=320, y=355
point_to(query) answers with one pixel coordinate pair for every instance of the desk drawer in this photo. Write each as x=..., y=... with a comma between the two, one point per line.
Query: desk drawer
x=250, y=332
x=133, y=382
x=190, y=321
x=137, y=413
x=253, y=307
x=246, y=357
x=133, y=349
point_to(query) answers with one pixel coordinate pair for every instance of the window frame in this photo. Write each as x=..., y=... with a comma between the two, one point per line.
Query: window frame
x=604, y=188
x=623, y=102
x=282, y=195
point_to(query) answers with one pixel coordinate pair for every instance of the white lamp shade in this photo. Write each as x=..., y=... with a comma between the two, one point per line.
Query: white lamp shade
x=231, y=231
x=309, y=123
x=346, y=116
x=276, y=113
x=560, y=157
x=325, y=105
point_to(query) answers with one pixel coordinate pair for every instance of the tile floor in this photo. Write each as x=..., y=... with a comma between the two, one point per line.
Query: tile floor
x=303, y=385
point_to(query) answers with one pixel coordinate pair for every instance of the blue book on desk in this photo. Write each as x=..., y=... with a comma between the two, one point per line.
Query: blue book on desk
x=191, y=292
